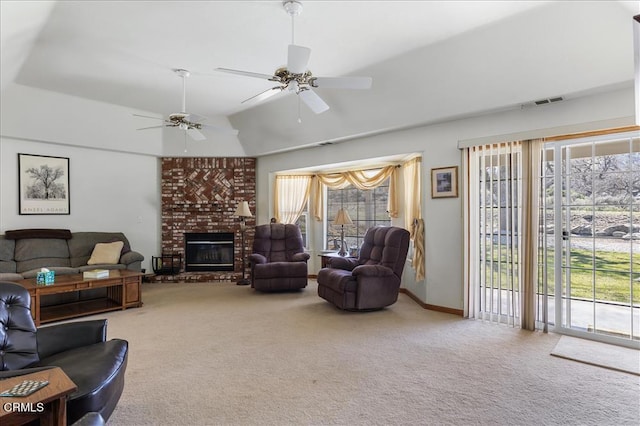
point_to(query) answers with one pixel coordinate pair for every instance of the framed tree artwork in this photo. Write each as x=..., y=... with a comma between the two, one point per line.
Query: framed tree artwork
x=43, y=184
x=444, y=182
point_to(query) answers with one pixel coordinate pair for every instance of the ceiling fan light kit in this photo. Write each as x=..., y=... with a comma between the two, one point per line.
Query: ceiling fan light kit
x=296, y=78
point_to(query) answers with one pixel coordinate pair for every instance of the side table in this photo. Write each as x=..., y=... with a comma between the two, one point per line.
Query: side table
x=48, y=405
x=324, y=258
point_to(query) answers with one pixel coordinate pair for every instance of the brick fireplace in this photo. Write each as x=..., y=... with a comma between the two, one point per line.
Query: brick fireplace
x=199, y=196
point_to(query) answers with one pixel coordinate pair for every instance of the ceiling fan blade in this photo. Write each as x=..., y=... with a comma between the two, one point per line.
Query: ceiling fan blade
x=228, y=130
x=298, y=58
x=147, y=116
x=246, y=73
x=266, y=94
x=342, y=82
x=313, y=101
x=194, y=118
x=195, y=134
x=152, y=127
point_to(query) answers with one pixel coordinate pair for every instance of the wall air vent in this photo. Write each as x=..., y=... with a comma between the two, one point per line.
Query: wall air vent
x=548, y=101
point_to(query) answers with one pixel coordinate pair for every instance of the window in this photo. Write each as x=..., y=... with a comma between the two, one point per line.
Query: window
x=302, y=223
x=366, y=208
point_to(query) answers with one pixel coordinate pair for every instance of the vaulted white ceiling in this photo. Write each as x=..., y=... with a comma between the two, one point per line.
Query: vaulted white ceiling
x=438, y=58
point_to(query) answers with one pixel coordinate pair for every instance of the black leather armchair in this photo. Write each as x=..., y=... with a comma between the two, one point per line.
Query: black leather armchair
x=278, y=261
x=96, y=365
x=371, y=281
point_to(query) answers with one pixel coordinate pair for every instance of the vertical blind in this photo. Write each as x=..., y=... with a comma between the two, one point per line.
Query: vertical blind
x=502, y=226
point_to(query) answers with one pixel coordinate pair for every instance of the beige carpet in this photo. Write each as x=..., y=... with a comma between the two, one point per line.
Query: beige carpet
x=221, y=354
x=599, y=354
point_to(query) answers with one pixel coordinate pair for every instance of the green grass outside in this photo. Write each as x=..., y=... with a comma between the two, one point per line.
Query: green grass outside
x=611, y=282
x=612, y=279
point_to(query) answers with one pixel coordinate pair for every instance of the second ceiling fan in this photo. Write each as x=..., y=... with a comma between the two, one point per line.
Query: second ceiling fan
x=296, y=78
x=190, y=123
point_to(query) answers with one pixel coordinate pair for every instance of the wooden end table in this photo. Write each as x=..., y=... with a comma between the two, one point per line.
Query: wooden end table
x=325, y=257
x=48, y=404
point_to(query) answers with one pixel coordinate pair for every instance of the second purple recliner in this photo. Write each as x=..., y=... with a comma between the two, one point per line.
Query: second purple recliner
x=278, y=261
x=371, y=281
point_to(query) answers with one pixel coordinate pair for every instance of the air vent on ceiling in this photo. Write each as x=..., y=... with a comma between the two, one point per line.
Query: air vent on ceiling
x=549, y=101
x=325, y=143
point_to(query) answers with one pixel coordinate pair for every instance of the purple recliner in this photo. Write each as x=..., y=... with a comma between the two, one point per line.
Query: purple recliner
x=278, y=261
x=371, y=281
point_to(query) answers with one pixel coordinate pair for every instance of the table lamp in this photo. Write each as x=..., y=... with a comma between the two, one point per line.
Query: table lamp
x=342, y=219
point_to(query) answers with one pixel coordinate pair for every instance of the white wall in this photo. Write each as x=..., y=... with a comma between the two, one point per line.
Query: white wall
x=439, y=147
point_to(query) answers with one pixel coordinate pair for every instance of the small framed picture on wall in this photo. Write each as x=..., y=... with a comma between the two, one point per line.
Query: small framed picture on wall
x=444, y=182
x=43, y=184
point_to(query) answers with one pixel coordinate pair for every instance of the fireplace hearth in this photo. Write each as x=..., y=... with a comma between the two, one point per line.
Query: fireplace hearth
x=209, y=251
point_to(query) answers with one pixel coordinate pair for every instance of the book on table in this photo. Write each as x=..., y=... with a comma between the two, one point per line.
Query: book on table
x=96, y=273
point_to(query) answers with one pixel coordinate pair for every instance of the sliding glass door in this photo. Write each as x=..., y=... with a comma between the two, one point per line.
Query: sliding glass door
x=590, y=239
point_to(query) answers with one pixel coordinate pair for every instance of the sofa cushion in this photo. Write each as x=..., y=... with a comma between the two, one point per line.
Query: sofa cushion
x=82, y=244
x=59, y=270
x=10, y=276
x=38, y=248
x=102, y=266
x=7, y=248
x=44, y=262
x=7, y=266
x=36, y=253
x=107, y=253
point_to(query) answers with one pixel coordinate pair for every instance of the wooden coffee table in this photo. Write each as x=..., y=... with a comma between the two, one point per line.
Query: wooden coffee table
x=48, y=404
x=122, y=291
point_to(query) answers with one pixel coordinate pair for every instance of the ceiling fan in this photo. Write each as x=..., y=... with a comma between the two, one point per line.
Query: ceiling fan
x=295, y=77
x=190, y=123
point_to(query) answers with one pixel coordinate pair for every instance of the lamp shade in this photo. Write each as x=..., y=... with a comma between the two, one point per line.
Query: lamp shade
x=342, y=218
x=243, y=210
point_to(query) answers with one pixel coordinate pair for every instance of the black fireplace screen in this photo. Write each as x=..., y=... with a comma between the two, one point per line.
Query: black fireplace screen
x=209, y=251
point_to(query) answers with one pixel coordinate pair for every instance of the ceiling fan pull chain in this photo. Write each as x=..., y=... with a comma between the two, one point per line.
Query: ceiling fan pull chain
x=299, y=119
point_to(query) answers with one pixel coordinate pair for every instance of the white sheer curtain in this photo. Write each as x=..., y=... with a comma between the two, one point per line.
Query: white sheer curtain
x=502, y=228
x=291, y=194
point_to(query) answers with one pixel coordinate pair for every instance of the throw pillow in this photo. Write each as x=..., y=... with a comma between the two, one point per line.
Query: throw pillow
x=106, y=253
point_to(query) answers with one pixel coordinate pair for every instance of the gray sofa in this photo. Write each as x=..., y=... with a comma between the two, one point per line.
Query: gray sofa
x=24, y=252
